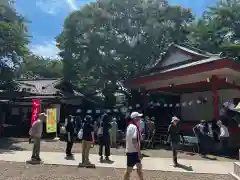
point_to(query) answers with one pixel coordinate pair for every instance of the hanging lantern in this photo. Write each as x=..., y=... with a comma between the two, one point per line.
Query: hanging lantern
x=190, y=103
x=89, y=111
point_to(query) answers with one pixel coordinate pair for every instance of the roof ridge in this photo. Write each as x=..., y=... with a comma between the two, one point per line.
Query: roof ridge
x=38, y=79
x=188, y=46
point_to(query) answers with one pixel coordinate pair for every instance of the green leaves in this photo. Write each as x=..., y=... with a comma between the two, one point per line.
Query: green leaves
x=110, y=41
x=13, y=42
x=218, y=28
x=38, y=67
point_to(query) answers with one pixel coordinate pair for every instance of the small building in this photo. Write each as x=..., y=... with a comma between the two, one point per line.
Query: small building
x=193, y=74
x=53, y=93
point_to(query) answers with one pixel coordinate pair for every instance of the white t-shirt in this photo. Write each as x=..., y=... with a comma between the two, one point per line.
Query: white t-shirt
x=131, y=133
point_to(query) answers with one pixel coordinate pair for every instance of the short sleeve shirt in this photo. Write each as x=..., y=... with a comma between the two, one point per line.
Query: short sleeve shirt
x=131, y=133
x=87, y=132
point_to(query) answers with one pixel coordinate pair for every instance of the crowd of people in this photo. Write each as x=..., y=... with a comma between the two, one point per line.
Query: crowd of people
x=212, y=136
x=105, y=131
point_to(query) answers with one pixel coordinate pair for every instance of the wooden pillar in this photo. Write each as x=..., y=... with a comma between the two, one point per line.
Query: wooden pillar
x=215, y=97
x=145, y=101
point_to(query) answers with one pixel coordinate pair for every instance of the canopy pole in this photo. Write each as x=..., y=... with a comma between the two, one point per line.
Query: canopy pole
x=215, y=97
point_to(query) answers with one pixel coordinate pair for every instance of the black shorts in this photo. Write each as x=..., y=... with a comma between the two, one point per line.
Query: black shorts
x=132, y=159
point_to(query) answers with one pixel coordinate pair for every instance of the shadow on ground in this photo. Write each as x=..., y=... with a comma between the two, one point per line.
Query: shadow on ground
x=184, y=167
x=11, y=144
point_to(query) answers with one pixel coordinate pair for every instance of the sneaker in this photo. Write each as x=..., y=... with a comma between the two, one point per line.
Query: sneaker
x=81, y=164
x=175, y=165
x=69, y=155
x=107, y=159
x=101, y=158
x=36, y=159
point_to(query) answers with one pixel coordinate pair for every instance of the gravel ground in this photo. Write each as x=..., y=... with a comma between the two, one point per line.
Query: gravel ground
x=21, y=144
x=22, y=171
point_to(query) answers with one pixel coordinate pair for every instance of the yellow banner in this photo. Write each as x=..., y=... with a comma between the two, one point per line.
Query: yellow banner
x=51, y=122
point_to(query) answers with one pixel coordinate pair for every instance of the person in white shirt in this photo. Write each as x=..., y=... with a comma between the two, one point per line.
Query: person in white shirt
x=36, y=133
x=223, y=136
x=133, y=152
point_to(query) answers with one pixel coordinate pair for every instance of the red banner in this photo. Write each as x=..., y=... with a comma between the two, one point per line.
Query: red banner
x=35, y=110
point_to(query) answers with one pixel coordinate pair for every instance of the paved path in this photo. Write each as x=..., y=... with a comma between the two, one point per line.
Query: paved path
x=161, y=164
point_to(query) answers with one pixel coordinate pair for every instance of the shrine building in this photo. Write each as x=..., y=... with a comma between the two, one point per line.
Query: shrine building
x=192, y=73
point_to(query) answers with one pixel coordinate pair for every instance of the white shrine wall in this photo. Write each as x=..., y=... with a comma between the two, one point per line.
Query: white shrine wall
x=197, y=112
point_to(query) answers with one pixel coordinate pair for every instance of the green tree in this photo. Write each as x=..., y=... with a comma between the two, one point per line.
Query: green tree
x=13, y=41
x=107, y=42
x=34, y=67
x=218, y=30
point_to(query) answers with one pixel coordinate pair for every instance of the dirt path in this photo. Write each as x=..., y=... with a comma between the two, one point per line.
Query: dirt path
x=22, y=171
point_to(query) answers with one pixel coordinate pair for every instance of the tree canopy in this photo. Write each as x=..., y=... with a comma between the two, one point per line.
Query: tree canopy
x=218, y=30
x=109, y=41
x=34, y=67
x=13, y=41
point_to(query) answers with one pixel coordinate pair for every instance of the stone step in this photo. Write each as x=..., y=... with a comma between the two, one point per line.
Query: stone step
x=236, y=166
x=234, y=176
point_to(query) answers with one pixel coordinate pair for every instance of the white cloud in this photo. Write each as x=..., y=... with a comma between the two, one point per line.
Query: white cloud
x=46, y=50
x=50, y=6
x=53, y=7
x=72, y=4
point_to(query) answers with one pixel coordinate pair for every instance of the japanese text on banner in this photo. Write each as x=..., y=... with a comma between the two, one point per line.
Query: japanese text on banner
x=35, y=110
x=51, y=121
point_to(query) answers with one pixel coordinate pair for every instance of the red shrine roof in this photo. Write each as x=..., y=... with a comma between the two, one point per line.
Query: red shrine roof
x=177, y=57
x=181, y=61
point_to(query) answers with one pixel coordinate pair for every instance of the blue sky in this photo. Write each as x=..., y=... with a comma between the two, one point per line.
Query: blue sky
x=47, y=16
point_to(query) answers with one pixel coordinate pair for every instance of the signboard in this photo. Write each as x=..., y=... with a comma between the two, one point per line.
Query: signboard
x=51, y=122
x=35, y=110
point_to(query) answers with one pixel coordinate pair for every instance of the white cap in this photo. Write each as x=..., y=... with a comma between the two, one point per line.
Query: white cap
x=174, y=118
x=219, y=122
x=135, y=114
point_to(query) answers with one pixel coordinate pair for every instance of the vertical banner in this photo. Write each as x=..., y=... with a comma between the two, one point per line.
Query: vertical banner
x=51, y=120
x=35, y=110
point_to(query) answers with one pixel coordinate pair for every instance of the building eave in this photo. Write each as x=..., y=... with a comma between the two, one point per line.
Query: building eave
x=195, y=67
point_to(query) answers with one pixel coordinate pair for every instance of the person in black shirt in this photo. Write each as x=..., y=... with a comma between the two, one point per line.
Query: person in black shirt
x=70, y=136
x=174, y=138
x=87, y=139
x=201, y=132
x=104, y=137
